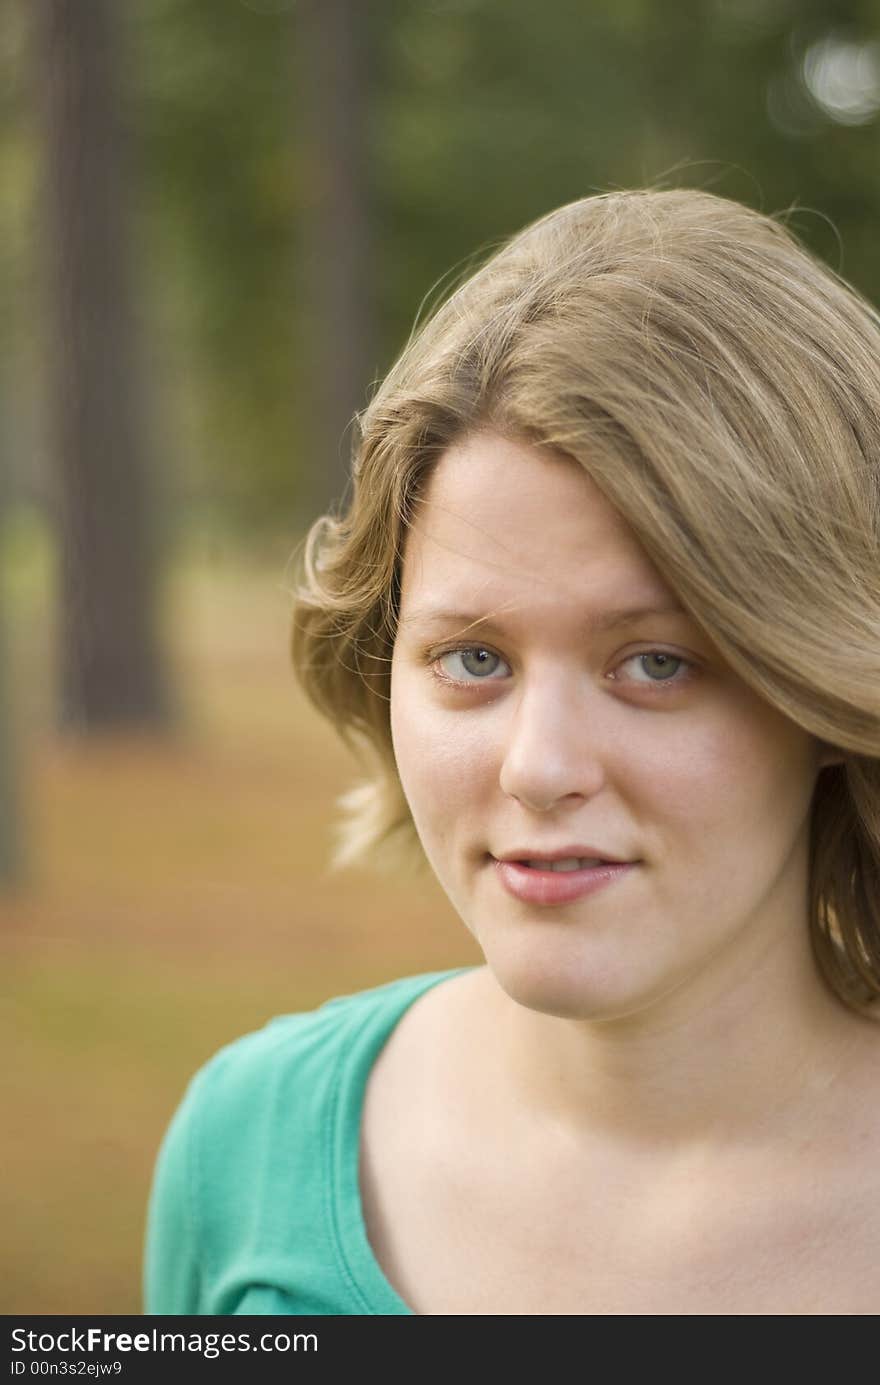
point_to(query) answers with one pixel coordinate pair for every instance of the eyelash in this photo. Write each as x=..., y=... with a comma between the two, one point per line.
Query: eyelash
x=433, y=658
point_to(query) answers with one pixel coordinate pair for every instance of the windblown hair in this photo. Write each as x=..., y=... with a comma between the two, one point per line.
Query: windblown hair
x=722, y=388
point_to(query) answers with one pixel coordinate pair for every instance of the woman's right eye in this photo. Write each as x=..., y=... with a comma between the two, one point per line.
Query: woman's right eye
x=471, y=664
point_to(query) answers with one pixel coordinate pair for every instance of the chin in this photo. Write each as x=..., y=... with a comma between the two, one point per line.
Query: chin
x=555, y=982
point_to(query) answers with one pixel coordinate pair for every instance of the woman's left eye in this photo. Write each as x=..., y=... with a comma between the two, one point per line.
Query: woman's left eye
x=666, y=666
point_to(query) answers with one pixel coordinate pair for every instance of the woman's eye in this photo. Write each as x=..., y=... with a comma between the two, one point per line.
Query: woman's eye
x=657, y=667
x=471, y=665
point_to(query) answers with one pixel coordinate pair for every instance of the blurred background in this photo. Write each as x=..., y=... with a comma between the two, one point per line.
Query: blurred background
x=219, y=219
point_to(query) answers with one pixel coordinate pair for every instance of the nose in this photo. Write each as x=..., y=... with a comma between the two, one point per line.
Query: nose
x=554, y=747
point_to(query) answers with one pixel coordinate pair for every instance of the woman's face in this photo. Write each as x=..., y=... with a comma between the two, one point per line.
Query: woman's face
x=529, y=721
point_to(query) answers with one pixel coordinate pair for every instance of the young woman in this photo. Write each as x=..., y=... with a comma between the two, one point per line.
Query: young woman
x=604, y=614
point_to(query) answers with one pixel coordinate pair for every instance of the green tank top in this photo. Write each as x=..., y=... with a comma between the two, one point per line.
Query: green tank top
x=255, y=1206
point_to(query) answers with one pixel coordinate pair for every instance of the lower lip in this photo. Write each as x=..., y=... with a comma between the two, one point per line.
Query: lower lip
x=557, y=886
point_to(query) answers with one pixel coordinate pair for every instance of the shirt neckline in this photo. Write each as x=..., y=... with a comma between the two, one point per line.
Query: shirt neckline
x=357, y=1263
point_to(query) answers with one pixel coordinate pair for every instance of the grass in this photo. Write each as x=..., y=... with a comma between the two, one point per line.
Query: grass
x=176, y=897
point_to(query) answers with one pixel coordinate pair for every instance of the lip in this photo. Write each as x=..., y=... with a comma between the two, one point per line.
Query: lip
x=550, y=887
x=562, y=853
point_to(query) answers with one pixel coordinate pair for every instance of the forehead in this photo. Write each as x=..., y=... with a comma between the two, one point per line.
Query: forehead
x=503, y=520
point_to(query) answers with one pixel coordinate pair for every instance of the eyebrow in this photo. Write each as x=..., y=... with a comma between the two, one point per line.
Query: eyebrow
x=600, y=621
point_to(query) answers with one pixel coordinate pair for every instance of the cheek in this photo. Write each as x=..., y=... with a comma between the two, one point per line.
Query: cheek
x=727, y=780
x=445, y=761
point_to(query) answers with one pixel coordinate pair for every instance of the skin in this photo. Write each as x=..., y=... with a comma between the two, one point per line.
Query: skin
x=690, y=981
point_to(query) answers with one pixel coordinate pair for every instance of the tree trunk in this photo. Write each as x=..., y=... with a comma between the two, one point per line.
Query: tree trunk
x=333, y=70
x=11, y=845
x=109, y=664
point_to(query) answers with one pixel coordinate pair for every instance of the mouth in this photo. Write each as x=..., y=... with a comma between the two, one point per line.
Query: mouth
x=540, y=881
x=564, y=865
x=562, y=860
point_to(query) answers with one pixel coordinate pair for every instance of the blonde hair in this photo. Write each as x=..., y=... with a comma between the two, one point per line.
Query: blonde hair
x=722, y=388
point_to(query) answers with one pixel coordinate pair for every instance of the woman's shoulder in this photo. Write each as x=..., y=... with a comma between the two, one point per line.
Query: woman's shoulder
x=263, y=1125
x=302, y=1050
x=257, y=1110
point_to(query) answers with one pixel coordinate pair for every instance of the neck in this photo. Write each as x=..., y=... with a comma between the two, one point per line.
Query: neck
x=702, y=1066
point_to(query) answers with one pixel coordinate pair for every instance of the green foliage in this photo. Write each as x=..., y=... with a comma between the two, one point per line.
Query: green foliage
x=481, y=115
